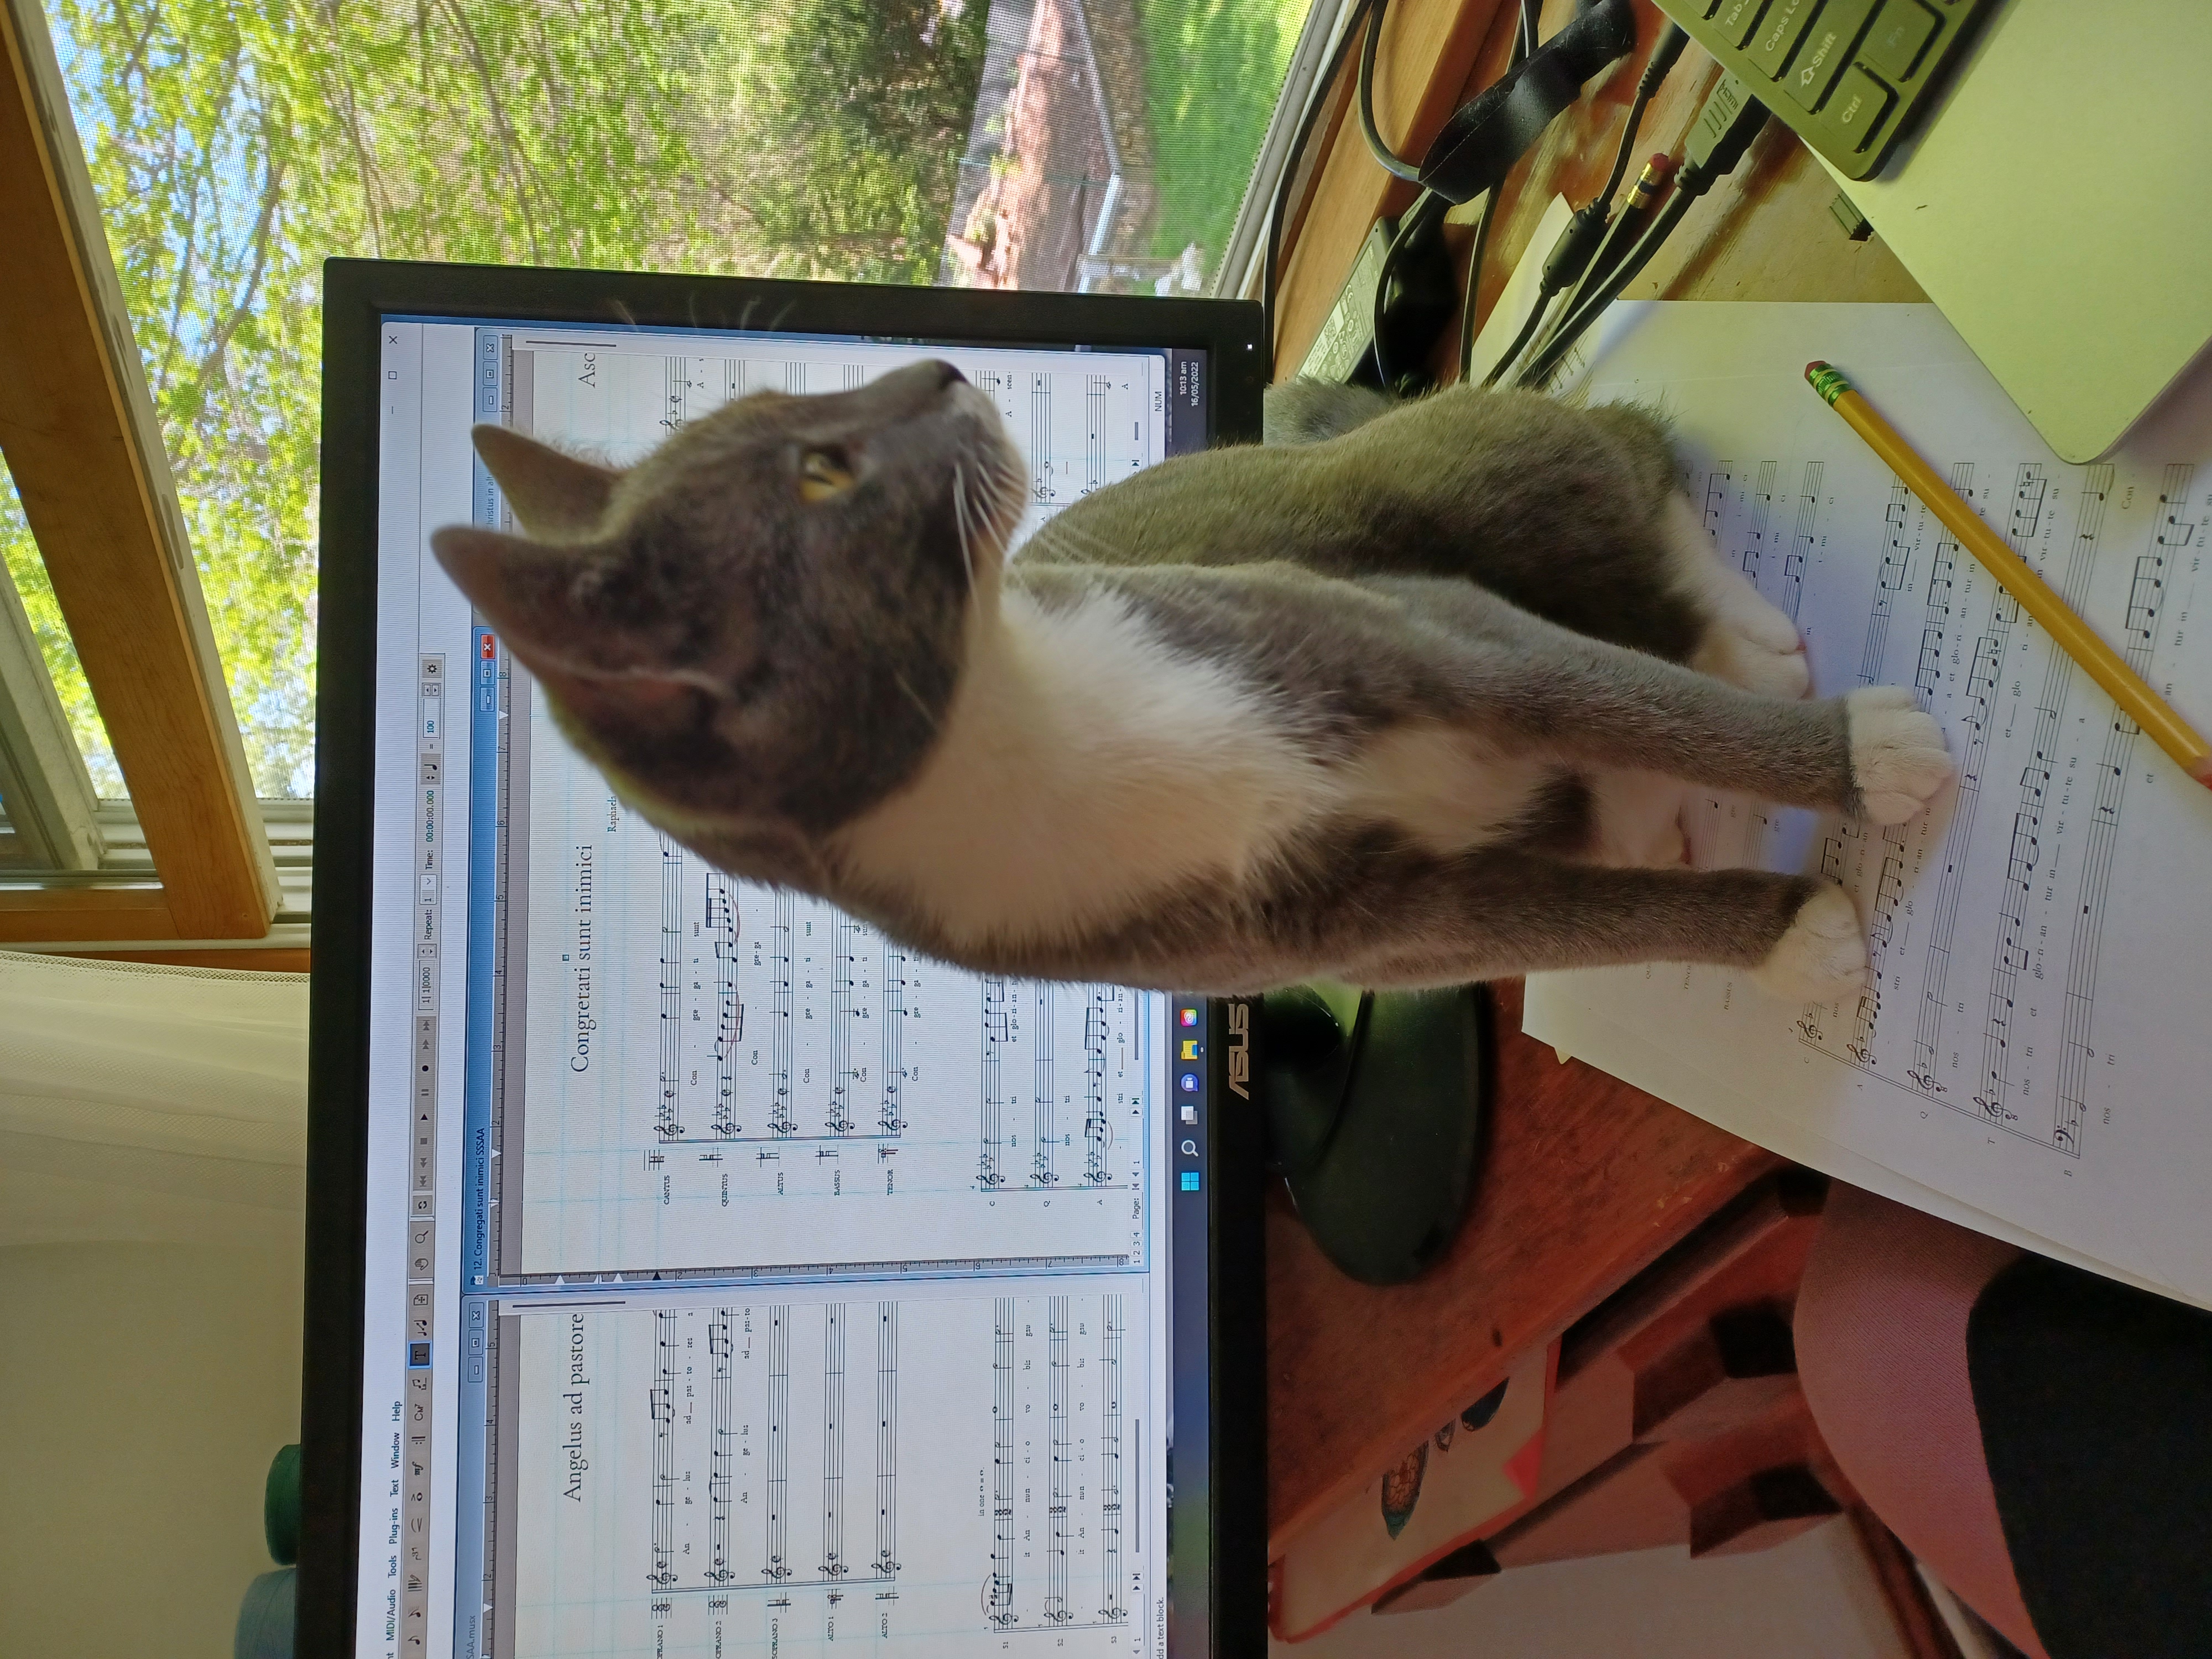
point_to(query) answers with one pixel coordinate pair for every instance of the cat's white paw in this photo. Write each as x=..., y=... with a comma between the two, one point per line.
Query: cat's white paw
x=1823, y=955
x=1749, y=641
x=1897, y=758
x=1730, y=653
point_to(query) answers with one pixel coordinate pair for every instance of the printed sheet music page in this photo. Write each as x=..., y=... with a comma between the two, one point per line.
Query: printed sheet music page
x=2030, y=1057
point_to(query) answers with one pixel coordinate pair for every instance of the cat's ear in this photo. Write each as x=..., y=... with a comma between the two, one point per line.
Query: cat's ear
x=534, y=596
x=558, y=497
x=530, y=593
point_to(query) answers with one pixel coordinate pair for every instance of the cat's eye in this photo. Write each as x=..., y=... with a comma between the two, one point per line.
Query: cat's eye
x=822, y=475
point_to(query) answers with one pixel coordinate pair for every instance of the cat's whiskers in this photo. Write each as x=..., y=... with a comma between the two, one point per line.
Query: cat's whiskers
x=915, y=697
x=960, y=521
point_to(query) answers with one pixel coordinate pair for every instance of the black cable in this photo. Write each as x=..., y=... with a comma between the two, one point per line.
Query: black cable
x=1520, y=341
x=1524, y=44
x=1730, y=119
x=1571, y=326
x=1595, y=264
x=1316, y=99
x=1570, y=255
x=1664, y=55
x=1417, y=220
x=1594, y=259
x=1391, y=161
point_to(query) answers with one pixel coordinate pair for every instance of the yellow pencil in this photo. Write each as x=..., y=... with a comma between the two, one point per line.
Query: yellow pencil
x=2105, y=665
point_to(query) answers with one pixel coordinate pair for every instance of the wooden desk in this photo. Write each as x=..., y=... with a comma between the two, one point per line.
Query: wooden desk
x=1586, y=1181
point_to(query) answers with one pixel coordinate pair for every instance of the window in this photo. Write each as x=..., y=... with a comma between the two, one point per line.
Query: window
x=226, y=150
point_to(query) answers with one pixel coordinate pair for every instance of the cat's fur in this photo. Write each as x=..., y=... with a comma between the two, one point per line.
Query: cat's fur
x=1409, y=696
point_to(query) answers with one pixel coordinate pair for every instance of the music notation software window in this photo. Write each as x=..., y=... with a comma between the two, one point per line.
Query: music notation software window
x=739, y=1282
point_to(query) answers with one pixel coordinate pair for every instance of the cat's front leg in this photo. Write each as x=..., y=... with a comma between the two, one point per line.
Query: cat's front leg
x=1749, y=641
x=1588, y=702
x=1489, y=913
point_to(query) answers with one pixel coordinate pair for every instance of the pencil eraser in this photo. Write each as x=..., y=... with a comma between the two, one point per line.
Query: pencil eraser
x=1814, y=367
x=2201, y=770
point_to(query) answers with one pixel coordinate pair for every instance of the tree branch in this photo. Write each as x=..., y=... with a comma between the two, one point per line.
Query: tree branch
x=508, y=145
x=212, y=362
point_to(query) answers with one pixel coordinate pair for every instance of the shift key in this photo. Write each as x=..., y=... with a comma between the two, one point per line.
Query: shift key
x=1827, y=49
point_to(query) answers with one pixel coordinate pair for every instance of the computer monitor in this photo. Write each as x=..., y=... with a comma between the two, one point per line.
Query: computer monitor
x=692, y=1268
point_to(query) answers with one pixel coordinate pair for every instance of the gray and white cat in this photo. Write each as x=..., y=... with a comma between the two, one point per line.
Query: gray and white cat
x=1410, y=696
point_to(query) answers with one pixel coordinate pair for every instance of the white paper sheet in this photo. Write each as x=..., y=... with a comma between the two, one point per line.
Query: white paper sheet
x=2032, y=1060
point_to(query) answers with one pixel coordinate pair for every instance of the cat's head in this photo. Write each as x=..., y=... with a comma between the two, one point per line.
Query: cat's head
x=757, y=629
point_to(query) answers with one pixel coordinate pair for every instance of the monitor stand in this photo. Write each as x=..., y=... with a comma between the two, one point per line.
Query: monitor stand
x=1375, y=1106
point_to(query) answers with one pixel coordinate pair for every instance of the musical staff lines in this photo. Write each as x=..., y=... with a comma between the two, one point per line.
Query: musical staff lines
x=1097, y=1126
x=1897, y=547
x=832, y=1565
x=775, y=1557
x=1095, y=418
x=743, y=1366
x=1112, y=1603
x=1057, y=1559
x=2170, y=534
x=781, y=1030
x=1792, y=589
x=886, y=1564
x=846, y=1076
x=662, y=1404
x=1056, y=1610
x=1758, y=506
x=1041, y=484
x=730, y=1076
x=777, y=1467
x=2013, y=954
x=891, y=1119
x=1045, y=1019
x=1043, y=1171
x=820, y=976
x=729, y=1012
x=998, y=1034
x=999, y=1587
x=721, y=1445
x=666, y=1122
x=2035, y=919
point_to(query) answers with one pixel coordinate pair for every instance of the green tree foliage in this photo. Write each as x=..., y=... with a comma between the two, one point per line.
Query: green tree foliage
x=234, y=144
x=872, y=99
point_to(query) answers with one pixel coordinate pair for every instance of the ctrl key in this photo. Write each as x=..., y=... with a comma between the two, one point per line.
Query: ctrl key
x=1856, y=108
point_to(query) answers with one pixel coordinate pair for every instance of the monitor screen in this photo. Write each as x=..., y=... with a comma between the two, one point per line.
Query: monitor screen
x=738, y=1282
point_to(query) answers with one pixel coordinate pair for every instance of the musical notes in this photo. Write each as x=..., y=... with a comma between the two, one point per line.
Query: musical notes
x=661, y=1403
x=1061, y=1452
x=1043, y=1147
x=777, y=1022
x=1897, y=550
x=1114, y=1604
x=999, y=1587
x=2027, y=1058
x=998, y=1033
x=763, y=1495
x=667, y=1123
x=2107, y=790
x=1097, y=1128
x=885, y=1564
x=2012, y=700
x=721, y=1444
x=1792, y=588
x=832, y=1565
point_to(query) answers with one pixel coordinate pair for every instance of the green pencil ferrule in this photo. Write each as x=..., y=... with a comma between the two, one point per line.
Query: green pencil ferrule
x=1828, y=381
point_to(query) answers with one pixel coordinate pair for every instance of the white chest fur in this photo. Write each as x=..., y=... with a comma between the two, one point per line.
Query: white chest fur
x=1086, y=767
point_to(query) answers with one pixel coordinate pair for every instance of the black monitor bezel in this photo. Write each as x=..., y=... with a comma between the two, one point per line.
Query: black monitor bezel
x=358, y=294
